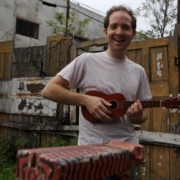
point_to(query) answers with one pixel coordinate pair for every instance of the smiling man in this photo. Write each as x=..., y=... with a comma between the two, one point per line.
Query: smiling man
x=107, y=72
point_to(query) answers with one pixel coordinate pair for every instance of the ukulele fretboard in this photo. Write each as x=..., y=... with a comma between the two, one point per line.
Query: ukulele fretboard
x=145, y=104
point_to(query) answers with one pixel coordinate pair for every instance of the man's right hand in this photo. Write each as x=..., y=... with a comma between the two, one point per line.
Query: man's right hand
x=98, y=108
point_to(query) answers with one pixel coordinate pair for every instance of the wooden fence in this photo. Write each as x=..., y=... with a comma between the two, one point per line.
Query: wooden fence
x=24, y=114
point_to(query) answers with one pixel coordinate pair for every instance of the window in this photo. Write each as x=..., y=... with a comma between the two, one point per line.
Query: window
x=27, y=28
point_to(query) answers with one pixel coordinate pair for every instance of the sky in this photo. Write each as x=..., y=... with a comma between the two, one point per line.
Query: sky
x=102, y=6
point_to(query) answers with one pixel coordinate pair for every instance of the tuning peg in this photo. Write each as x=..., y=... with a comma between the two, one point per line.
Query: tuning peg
x=178, y=95
x=173, y=110
x=170, y=95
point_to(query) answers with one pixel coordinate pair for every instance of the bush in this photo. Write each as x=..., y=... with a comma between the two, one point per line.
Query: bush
x=7, y=166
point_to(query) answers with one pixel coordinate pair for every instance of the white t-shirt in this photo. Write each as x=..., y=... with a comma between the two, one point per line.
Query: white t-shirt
x=101, y=72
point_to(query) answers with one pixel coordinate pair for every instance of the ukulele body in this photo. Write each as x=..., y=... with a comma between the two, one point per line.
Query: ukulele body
x=115, y=99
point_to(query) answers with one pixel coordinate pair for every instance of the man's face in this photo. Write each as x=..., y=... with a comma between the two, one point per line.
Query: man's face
x=119, y=32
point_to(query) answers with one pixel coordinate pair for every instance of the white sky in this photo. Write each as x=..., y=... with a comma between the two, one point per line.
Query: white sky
x=104, y=5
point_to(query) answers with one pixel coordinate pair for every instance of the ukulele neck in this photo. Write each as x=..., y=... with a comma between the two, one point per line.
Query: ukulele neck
x=145, y=104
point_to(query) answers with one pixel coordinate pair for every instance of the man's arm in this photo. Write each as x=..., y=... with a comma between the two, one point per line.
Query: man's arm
x=56, y=90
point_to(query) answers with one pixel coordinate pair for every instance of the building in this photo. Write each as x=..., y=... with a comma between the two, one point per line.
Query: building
x=25, y=21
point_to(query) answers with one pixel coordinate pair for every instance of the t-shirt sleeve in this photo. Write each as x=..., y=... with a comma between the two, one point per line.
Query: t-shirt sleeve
x=74, y=71
x=144, y=92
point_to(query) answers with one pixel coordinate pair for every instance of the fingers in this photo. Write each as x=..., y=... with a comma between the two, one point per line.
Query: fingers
x=101, y=115
x=101, y=111
x=136, y=110
x=136, y=107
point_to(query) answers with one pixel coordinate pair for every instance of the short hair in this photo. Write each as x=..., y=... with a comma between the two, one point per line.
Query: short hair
x=120, y=8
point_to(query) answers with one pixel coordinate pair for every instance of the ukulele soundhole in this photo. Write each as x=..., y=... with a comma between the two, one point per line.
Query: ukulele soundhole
x=114, y=105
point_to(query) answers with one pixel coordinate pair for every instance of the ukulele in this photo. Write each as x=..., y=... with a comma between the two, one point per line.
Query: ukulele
x=120, y=105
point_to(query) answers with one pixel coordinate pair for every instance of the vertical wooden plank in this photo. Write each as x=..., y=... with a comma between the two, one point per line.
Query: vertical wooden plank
x=174, y=118
x=3, y=118
x=131, y=55
x=1, y=66
x=160, y=120
x=160, y=163
x=7, y=66
x=145, y=61
x=5, y=59
x=47, y=55
x=54, y=58
x=174, y=165
x=64, y=55
x=74, y=52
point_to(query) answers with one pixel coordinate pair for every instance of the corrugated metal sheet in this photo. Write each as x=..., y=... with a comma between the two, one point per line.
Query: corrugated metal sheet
x=23, y=96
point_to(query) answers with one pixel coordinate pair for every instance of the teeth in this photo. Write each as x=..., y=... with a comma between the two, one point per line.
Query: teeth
x=119, y=40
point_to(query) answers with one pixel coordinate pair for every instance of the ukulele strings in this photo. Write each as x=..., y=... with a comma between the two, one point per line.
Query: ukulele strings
x=121, y=104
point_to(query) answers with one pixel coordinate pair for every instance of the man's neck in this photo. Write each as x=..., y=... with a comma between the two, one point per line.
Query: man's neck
x=116, y=54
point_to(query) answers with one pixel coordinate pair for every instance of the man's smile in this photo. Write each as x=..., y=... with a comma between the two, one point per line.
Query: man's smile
x=119, y=40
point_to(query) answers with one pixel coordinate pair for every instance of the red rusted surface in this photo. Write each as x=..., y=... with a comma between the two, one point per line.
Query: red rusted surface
x=92, y=162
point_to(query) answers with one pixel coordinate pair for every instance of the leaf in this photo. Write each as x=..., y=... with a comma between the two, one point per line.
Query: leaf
x=160, y=14
x=66, y=26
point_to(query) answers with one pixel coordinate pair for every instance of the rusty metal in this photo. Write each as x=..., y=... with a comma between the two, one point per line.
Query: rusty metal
x=23, y=96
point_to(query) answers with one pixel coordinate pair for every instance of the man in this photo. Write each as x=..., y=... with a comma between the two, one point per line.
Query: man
x=108, y=72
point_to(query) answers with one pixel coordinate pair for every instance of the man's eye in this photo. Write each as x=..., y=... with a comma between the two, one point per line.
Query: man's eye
x=126, y=27
x=113, y=27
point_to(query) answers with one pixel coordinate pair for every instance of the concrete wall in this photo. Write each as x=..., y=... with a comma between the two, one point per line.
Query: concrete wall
x=35, y=11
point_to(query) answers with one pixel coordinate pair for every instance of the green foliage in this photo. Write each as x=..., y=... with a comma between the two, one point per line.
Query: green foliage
x=5, y=152
x=7, y=155
x=60, y=141
x=7, y=173
x=7, y=165
x=21, y=143
x=72, y=25
x=73, y=140
x=160, y=14
x=145, y=35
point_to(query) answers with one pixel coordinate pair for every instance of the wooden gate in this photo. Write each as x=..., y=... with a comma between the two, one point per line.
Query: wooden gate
x=160, y=133
x=158, y=59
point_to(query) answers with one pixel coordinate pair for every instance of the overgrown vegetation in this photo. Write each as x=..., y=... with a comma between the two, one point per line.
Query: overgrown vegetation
x=71, y=25
x=9, y=148
x=7, y=166
x=60, y=141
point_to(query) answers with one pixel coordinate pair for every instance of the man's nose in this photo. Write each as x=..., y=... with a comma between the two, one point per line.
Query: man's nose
x=119, y=30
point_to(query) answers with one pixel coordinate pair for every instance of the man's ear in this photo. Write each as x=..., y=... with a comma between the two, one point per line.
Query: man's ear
x=105, y=31
x=134, y=34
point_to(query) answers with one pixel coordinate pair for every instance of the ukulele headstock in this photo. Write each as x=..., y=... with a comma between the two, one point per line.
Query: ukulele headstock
x=171, y=102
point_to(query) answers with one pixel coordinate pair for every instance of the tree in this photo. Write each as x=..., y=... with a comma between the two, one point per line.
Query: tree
x=144, y=35
x=67, y=26
x=161, y=15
